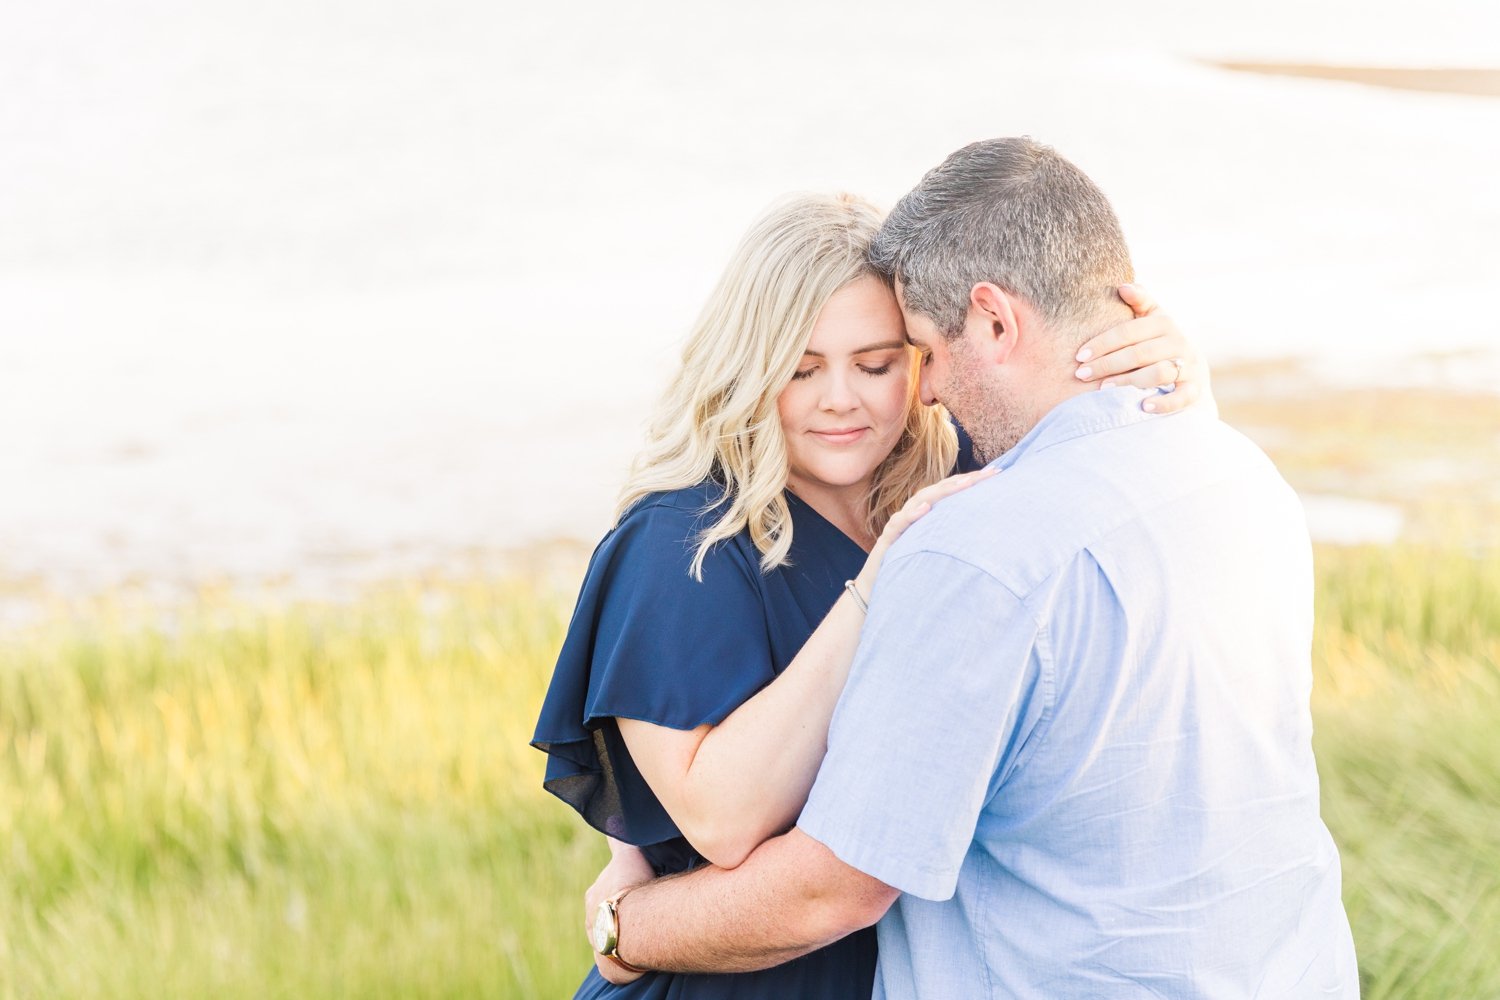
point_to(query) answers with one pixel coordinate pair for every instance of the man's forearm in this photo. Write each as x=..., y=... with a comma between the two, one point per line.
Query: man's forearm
x=790, y=897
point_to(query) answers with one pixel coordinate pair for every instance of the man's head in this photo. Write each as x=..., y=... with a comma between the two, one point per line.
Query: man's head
x=1006, y=258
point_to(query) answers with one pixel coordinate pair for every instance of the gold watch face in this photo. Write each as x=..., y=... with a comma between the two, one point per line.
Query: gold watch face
x=604, y=929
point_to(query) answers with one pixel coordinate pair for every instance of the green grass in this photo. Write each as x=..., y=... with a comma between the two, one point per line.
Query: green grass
x=1407, y=711
x=306, y=802
x=328, y=801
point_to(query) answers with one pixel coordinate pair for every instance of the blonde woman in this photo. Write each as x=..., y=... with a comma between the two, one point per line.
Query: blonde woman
x=689, y=708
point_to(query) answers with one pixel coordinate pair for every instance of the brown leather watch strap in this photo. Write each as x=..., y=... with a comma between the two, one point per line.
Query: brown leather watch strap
x=614, y=956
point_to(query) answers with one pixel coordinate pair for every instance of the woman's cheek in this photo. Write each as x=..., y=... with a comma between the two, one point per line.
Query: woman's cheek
x=789, y=405
x=897, y=397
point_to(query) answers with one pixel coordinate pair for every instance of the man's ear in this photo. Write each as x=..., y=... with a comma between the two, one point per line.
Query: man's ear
x=993, y=321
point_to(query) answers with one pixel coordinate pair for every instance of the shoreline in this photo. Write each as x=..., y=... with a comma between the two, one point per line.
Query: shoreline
x=1467, y=82
x=1404, y=460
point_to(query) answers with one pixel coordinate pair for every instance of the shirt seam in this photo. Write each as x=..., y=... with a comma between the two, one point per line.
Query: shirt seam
x=1126, y=519
x=1018, y=598
x=1043, y=645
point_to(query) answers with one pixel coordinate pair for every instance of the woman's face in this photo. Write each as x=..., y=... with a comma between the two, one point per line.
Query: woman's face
x=846, y=405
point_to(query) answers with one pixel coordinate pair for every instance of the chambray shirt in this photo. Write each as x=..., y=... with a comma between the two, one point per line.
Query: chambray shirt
x=1076, y=732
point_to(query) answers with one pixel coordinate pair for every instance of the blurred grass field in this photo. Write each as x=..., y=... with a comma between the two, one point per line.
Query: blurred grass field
x=338, y=801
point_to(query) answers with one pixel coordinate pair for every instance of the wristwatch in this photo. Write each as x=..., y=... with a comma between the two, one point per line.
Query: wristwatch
x=607, y=930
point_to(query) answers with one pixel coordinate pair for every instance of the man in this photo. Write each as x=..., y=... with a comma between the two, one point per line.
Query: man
x=1073, y=757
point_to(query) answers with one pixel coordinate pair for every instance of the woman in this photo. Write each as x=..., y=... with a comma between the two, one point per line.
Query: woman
x=690, y=704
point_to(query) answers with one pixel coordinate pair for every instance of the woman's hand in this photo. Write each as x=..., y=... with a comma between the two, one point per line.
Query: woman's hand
x=910, y=513
x=627, y=867
x=1148, y=352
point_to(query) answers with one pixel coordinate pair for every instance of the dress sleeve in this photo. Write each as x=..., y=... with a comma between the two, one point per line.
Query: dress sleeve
x=649, y=642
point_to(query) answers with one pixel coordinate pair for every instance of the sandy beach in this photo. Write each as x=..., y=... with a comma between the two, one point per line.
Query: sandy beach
x=1437, y=80
x=314, y=296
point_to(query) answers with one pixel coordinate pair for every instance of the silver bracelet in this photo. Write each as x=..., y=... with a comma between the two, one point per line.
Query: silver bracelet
x=859, y=601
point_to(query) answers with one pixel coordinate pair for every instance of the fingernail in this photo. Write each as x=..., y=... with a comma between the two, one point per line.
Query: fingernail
x=1084, y=354
x=1149, y=406
x=1085, y=372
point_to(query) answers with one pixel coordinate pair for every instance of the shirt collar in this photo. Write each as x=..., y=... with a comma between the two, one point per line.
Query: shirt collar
x=1086, y=413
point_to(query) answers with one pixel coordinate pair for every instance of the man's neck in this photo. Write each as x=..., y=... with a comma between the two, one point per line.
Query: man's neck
x=1052, y=395
x=1051, y=378
x=1038, y=394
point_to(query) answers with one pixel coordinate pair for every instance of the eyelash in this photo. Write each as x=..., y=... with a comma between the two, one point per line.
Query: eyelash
x=884, y=369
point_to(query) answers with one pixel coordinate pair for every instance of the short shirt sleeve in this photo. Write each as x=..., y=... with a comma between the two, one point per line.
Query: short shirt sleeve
x=647, y=641
x=948, y=687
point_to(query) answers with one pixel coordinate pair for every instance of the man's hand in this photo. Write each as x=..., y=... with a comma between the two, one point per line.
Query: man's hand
x=1148, y=352
x=627, y=867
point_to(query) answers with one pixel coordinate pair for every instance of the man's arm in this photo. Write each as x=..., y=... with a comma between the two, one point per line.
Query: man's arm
x=790, y=897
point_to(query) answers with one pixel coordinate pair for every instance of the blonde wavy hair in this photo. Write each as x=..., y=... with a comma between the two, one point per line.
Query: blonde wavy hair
x=718, y=417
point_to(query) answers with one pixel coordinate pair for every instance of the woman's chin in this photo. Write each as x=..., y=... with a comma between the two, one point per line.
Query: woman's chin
x=841, y=478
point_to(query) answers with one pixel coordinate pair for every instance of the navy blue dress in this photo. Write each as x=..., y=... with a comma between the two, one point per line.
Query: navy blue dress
x=649, y=642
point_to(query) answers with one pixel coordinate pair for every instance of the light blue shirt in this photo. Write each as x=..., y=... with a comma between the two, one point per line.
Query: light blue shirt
x=1076, y=734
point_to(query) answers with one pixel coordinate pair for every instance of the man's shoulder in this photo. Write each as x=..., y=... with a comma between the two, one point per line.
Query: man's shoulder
x=1035, y=517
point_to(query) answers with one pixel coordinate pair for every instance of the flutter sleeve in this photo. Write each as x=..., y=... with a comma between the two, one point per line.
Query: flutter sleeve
x=647, y=641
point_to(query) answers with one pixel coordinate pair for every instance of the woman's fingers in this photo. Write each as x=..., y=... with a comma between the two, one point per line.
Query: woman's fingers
x=921, y=502
x=614, y=972
x=1147, y=352
x=1137, y=298
x=1131, y=331
x=1153, y=376
x=953, y=484
x=909, y=514
x=1134, y=344
x=1180, y=398
x=1187, y=389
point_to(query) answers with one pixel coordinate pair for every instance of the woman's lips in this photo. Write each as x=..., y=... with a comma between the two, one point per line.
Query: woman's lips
x=843, y=435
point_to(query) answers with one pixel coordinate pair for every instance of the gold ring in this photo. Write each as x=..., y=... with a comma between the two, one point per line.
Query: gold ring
x=1178, y=377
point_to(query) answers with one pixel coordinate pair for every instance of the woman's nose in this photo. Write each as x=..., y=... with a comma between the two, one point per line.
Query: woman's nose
x=839, y=394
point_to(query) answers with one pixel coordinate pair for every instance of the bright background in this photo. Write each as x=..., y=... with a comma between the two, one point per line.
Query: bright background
x=341, y=289
x=328, y=328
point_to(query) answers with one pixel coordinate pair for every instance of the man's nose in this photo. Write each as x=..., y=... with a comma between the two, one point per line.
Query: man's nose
x=925, y=385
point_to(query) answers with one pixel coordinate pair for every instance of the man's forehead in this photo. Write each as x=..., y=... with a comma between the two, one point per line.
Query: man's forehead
x=915, y=323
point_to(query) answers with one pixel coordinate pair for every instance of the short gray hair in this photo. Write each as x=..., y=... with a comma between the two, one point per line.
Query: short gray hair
x=1015, y=213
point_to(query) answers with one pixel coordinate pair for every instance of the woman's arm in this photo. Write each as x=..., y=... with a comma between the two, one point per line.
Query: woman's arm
x=731, y=786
